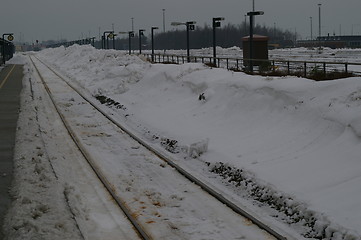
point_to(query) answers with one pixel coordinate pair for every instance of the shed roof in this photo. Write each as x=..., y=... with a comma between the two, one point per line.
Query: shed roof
x=256, y=38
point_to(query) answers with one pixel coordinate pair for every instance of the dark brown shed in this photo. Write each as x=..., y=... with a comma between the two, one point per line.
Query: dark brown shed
x=260, y=49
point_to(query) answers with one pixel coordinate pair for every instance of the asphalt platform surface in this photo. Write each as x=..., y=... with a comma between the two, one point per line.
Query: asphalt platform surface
x=10, y=87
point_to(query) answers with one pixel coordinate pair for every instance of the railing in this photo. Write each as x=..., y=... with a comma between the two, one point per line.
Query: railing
x=319, y=70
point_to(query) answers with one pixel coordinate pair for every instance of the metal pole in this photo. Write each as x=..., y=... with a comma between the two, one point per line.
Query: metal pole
x=140, y=41
x=163, y=19
x=104, y=40
x=188, y=53
x=152, y=44
x=251, y=43
x=214, y=42
x=319, y=26
x=130, y=43
x=253, y=9
x=153, y=28
x=164, y=26
x=311, y=29
x=3, y=52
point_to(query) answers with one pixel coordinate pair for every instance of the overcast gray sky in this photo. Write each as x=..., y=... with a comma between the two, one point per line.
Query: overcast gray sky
x=30, y=20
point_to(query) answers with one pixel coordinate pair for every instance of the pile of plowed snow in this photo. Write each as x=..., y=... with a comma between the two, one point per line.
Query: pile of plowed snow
x=296, y=136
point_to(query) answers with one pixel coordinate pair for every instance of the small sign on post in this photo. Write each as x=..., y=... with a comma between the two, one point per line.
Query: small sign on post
x=111, y=36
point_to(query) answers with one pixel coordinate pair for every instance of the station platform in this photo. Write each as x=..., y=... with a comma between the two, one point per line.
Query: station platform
x=10, y=87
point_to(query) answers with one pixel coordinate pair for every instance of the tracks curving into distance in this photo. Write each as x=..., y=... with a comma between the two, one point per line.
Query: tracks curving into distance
x=134, y=206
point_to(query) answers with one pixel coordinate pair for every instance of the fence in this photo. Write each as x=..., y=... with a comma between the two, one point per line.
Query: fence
x=309, y=69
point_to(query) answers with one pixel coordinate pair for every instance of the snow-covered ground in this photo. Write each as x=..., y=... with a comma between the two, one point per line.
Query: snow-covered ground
x=313, y=56
x=288, y=145
x=302, y=54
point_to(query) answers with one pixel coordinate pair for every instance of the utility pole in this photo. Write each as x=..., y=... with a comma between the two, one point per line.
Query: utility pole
x=319, y=19
x=253, y=9
x=311, y=29
x=153, y=28
x=216, y=22
x=163, y=19
x=319, y=26
x=251, y=20
x=140, y=40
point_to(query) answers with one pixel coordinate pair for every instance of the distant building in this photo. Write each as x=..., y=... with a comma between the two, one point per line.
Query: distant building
x=332, y=42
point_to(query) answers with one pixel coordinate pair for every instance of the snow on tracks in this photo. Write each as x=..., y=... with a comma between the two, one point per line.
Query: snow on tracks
x=162, y=201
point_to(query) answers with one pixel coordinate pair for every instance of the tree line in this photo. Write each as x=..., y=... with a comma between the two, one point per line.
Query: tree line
x=227, y=36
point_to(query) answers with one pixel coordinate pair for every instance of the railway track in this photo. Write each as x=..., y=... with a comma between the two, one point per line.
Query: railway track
x=160, y=199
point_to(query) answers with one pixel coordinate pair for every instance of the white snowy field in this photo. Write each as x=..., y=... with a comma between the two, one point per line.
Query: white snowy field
x=301, y=54
x=289, y=145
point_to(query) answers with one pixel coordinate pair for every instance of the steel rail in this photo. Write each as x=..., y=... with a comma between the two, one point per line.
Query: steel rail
x=141, y=232
x=271, y=230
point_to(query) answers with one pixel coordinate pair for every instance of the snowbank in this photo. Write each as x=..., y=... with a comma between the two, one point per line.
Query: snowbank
x=297, y=137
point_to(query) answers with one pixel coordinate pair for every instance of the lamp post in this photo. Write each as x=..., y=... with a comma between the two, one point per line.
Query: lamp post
x=114, y=36
x=10, y=38
x=140, y=40
x=163, y=19
x=105, y=43
x=164, y=26
x=251, y=19
x=111, y=36
x=319, y=27
x=92, y=41
x=131, y=35
x=153, y=28
x=215, y=23
x=190, y=27
x=311, y=29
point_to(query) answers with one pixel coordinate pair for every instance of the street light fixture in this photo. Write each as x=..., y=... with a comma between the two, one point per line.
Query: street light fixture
x=190, y=27
x=131, y=35
x=10, y=38
x=216, y=23
x=251, y=19
x=153, y=28
x=140, y=40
